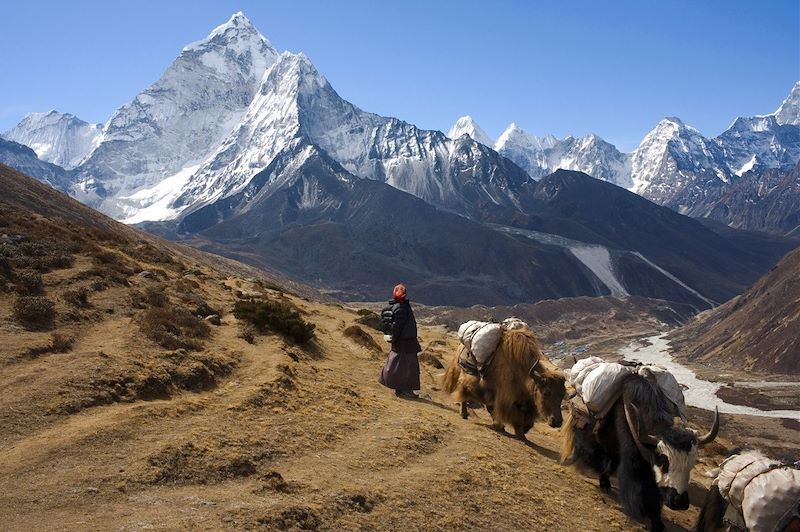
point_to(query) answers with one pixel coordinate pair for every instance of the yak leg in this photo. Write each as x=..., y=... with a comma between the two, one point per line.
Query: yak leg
x=638, y=492
x=464, y=413
x=497, y=425
x=605, y=483
x=519, y=433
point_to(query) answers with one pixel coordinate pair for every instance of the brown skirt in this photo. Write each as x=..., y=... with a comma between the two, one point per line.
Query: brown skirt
x=401, y=372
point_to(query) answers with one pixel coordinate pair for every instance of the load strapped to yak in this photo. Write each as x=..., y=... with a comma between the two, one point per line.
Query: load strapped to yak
x=763, y=495
x=480, y=340
x=598, y=385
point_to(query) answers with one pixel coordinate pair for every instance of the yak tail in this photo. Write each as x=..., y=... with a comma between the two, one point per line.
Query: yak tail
x=712, y=513
x=451, y=376
x=568, y=440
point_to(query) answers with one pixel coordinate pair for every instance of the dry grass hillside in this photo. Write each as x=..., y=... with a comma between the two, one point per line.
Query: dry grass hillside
x=756, y=331
x=124, y=408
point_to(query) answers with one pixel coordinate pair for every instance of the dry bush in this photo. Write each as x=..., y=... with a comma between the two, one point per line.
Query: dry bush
x=152, y=296
x=60, y=343
x=35, y=312
x=174, y=328
x=203, y=310
x=28, y=282
x=77, y=297
x=248, y=333
x=105, y=275
x=186, y=285
x=275, y=316
x=149, y=253
x=44, y=255
x=112, y=266
x=5, y=268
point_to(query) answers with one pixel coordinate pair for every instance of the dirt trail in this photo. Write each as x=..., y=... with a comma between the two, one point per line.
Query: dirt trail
x=292, y=439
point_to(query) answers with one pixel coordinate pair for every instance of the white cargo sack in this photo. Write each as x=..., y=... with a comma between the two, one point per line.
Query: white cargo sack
x=481, y=338
x=578, y=372
x=513, y=324
x=599, y=382
x=669, y=385
x=602, y=386
x=760, y=489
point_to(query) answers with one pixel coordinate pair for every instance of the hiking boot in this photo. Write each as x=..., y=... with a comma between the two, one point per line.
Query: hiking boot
x=405, y=394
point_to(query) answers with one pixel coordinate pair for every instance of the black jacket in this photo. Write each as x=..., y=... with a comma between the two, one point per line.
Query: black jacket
x=403, y=327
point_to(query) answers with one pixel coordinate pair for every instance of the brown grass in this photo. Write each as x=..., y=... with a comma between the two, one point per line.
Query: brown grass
x=77, y=297
x=28, y=282
x=35, y=312
x=174, y=328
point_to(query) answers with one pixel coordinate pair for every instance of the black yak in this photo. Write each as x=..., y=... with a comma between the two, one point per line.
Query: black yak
x=637, y=441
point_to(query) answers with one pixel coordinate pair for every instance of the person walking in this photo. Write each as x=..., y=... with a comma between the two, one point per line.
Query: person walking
x=401, y=370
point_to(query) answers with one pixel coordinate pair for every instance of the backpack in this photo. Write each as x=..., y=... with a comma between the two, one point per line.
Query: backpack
x=387, y=319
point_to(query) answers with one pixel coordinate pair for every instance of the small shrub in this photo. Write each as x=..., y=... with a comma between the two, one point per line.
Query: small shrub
x=60, y=343
x=276, y=316
x=35, y=312
x=77, y=297
x=8, y=250
x=105, y=276
x=28, y=282
x=153, y=296
x=203, y=309
x=43, y=255
x=248, y=333
x=364, y=312
x=5, y=268
x=174, y=328
x=98, y=286
x=186, y=285
x=149, y=253
x=156, y=296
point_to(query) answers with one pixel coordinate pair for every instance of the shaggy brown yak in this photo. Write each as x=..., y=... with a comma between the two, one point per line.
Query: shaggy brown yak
x=519, y=385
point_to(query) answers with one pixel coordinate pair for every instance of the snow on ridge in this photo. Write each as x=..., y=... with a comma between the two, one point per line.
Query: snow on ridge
x=237, y=23
x=156, y=203
x=675, y=279
x=59, y=138
x=466, y=125
x=598, y=260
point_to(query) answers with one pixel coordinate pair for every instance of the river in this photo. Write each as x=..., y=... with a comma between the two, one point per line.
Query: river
x=701, y=393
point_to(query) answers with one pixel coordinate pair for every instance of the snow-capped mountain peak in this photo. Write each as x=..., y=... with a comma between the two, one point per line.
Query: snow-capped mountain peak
x=789, y=111
x=466, y=125
x=672, y=157
x=180, y=120
x=58, y=138
x=237, y=28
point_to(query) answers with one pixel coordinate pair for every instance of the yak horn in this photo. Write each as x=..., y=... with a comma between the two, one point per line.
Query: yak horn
x=708, y=438
x=639, y=438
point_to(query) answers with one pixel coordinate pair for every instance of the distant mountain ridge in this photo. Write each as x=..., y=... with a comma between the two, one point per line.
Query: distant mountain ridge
x=674, y=165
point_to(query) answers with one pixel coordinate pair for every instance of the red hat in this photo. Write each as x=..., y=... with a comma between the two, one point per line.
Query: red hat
x=399, y=292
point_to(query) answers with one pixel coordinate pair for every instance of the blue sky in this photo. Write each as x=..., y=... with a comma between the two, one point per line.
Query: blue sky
x=560, y=67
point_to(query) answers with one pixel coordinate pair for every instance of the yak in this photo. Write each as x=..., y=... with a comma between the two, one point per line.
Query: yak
x=637, y=441
x=518, y=386
x=752, y=492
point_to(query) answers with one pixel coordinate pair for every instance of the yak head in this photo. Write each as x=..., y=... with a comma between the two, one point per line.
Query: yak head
x=548, y=392
x=673, y=454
